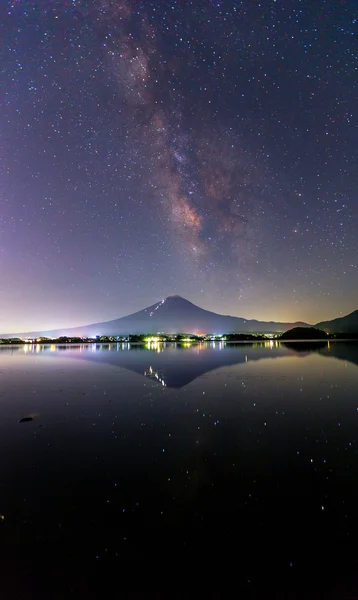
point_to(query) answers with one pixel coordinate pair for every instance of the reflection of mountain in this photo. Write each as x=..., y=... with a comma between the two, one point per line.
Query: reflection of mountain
x=306, y=346
x=177, y=366
x=342, y=350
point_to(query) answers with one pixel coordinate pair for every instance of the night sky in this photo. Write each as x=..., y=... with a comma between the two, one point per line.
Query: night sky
x=207, y=149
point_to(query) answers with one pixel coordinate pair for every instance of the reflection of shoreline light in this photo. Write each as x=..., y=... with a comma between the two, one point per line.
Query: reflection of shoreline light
x=271, y=344
x=217, y=344
x=155, y=344
x=152, y=374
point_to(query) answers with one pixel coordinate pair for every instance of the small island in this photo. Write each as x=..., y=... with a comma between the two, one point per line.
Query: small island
x=304, y=333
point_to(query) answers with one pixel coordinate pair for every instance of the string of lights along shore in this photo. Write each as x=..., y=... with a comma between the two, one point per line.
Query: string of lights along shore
x=199, y=148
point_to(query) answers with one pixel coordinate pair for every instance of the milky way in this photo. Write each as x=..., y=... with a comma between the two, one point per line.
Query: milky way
x=201, y=148
x=197, y=174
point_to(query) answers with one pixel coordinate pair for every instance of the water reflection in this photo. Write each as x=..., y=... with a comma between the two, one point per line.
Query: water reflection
x=306, y=346
x=258, y=454
x=176, y=365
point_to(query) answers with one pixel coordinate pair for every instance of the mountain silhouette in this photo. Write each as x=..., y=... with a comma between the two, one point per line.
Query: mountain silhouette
x=347, y=324
x=174, y=314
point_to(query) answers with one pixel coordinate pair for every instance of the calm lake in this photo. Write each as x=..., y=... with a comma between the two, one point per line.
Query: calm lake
x=211, y=452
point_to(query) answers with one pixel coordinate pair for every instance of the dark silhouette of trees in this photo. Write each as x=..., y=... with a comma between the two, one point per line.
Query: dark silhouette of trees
x=304, y=333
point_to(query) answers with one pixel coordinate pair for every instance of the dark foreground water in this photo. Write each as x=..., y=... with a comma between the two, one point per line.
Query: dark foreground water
x=230, y=461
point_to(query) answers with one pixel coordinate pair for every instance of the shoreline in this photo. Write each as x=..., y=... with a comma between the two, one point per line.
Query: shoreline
x=179, y=343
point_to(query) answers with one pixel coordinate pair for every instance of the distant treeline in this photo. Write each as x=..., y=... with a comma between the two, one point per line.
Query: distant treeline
x=297, y=333
x=137, y=339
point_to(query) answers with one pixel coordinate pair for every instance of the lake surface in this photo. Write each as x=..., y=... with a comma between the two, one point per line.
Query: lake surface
x=210, y=454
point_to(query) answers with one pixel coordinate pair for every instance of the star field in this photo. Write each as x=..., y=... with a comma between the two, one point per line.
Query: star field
x=202, y=148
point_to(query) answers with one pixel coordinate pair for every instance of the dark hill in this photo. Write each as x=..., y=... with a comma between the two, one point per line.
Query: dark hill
x=304, y=333
x=347, y=324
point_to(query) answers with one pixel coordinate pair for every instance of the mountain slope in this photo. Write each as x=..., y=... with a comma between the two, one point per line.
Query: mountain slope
x=174, y=314
x=347, y=324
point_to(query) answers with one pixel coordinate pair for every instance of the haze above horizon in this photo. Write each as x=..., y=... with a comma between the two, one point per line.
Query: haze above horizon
x=153, y=147
x=173, y=314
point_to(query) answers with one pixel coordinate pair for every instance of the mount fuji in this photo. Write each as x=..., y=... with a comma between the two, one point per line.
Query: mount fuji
x=173, y=314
